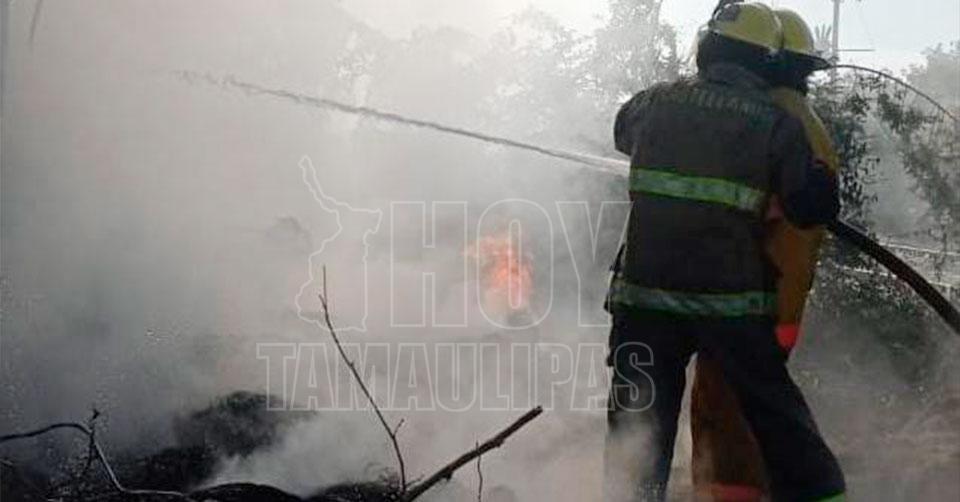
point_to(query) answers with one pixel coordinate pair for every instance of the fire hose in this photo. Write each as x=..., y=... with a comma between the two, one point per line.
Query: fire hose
x=946, y=310
x=900, y=269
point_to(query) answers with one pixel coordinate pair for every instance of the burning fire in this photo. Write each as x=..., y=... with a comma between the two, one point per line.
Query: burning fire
x=506, y=273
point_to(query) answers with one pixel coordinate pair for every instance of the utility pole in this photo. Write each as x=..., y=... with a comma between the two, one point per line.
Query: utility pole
x=835, y=49
x=835, y=42
x=4, y=40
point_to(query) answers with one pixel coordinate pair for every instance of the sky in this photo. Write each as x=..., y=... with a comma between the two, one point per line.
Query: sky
x=896, y=31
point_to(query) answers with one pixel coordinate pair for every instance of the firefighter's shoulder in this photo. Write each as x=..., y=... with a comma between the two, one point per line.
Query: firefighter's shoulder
x=797, y=105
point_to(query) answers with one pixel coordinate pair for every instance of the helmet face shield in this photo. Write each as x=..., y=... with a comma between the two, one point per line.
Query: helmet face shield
x=819, y=62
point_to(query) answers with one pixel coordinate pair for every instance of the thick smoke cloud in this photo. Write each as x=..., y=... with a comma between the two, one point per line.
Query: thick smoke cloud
x=154, y=231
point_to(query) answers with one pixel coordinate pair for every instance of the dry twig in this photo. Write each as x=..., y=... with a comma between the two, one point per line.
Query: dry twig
x=495, y=442
x=78, y=478
x=479, y=475
x=101, y=457
x=391, y=432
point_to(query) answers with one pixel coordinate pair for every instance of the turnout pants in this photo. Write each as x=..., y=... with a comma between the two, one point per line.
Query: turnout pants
x=726, y=463
x=649, y=355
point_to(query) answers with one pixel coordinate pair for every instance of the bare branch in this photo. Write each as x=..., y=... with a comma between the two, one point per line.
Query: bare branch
x=91, y=448
x=99, y=454
x=495, y=442
x=391, y=432
x=78, y=478
x=397, y=428
x=479, y=475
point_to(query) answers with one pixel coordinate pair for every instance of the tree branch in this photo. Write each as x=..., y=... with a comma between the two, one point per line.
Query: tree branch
x=495, y=442
x=391, y=432
x=479, y=475
x=99, y=454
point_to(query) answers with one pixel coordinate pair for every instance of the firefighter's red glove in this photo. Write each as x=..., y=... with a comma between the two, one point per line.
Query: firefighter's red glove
x=787, y=335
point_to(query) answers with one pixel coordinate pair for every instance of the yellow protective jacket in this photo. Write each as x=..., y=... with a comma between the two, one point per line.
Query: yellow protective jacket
x=795, y=251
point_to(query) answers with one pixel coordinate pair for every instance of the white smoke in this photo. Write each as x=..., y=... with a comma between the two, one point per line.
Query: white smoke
x=154, y=231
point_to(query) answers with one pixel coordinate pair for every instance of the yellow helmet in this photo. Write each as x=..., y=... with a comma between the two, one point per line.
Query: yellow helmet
x=798, y=38
x=750, y=22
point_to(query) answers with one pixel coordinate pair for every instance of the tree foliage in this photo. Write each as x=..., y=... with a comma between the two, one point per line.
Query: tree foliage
x=560, y=84
x=939, y=75
x=882, y=129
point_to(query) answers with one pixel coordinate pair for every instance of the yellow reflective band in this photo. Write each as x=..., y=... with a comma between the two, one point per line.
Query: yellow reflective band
x=698, y=188
x=761, y=303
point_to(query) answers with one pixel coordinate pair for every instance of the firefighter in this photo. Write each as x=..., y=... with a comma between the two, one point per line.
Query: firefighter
x=727, y=465
x=707, y=156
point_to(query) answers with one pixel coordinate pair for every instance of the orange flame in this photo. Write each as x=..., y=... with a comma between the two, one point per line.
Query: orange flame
x=506, y=273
